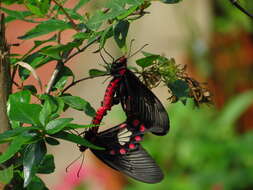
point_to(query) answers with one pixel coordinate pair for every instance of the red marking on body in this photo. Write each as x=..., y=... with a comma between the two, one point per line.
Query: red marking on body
x=142, y=128
x=122, y=71
x=112, y=152
x=131, y=146
x=122, y=151
x=137, y=138
x=136, y=122
x=123, y=125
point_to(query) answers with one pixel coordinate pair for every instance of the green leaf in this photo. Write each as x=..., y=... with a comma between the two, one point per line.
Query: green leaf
x=120, y=33
x=33, y=155
x=25, y=113
x=81, y=36
x=10, y=134
x=62, y=78
x=16, y=15
x=147, y=61
x=76, y=139
x=96, y=72
x=54, y=103
x=16, y=145
x=57, y=125
x=6, y=175
x=45, y=28
x=235, y=107
x=31, y=88
x=170, y=1
x=37, y=184
x=96, y=21
x=128, y=12
x=45, y=113
x=52, y=141
x=107, y=33
x=23, y=96
x=74, y=102
x=39, y=8
x=47, y=165
x=80, y=4
x=77, y=126
x=89, y=110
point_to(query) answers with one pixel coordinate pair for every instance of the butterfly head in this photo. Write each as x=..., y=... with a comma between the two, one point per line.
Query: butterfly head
x=118, y=67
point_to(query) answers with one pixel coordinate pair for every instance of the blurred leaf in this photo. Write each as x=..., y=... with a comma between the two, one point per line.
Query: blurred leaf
x=33, y=155
x=57, y=125
x=107, y=33
x=96, y=72
x=80, y=4
x=76, y=139
x=47, y=165
x=45, y=28
x=147, y=61
x=52, y=141
x=235, y=107
x=15, y=15
x=96, y=21
x=16, y=145
x=120, y=33
x=6, y=175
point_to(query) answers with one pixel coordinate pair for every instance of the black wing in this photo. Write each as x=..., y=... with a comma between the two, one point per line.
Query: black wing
x=135, y=162
x=140, y=102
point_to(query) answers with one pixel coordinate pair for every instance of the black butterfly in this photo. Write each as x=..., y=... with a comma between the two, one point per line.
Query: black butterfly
x=138, y=101
x=123, y=151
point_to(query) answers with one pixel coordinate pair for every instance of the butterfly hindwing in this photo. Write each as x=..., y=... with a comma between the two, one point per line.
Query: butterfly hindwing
x=133, y=161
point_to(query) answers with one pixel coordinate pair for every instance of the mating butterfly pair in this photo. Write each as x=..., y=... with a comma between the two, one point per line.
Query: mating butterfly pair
x=144, y=112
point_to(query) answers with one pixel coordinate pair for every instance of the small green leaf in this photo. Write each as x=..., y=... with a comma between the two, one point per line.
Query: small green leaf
x=107, y=33
x=39, y=8
x=147, y=61
x=96, y=72
x=16, y=145
x=45, y=28
x=25, y=113
x=96, y=21
x=77, y=126
x=52, y=141
x=74, y=102
x=6, y=175
x=62, y=78
x=120, y=33
x=33, y=155
x=10, y=134
x=47, y=165
x=76, y=139
x=45, y=113
x=52, y=101
x=57, y=125
x=89, y=110
x=16, y=15
x=81, y=36
x=31, y=88
x=37, y=184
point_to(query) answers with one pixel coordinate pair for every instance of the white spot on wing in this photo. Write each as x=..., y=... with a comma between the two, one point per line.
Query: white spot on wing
x=124, y=136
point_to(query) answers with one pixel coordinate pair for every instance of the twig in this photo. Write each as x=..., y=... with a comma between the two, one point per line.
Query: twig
x=67, y=15
x=81, y=50
x=80, y=80
x=234, y=2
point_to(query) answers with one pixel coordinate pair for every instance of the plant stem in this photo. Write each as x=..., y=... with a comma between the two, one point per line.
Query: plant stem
x=80, y=80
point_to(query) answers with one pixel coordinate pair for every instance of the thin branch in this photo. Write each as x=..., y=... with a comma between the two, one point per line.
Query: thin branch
x=81, y=50
x=67, y=15
x=237, y=5
x=80, y=80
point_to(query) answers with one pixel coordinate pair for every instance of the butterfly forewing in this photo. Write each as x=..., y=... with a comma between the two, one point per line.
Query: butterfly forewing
x=138, y=101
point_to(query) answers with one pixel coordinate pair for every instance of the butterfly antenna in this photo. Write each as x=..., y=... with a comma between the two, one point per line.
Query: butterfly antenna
x=109, y=54
x=130, y=48
x=67, y=168
x=81, y=166
x=238, y=6
x=138, y=50
x=106, y=79
x=101, y=55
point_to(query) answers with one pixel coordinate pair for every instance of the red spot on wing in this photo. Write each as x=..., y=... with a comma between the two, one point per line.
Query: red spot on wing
x=122, y=151
x=137, y=138
x=142, y=128
x=131, y=146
